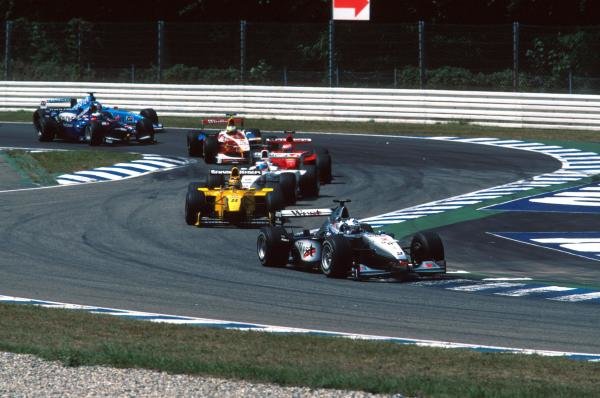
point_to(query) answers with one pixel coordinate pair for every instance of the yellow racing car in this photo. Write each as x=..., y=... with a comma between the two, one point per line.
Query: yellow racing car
x=224, y=201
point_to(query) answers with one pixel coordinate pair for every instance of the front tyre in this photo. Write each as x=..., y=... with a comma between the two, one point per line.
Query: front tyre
x=211, y=149
x=194, y=145
x=336, y=258
x=195, y=204
x=144, y=130
x=94, y=134
x=150, y=114
x=287, y=182
x=272, y=251
x=426, y=246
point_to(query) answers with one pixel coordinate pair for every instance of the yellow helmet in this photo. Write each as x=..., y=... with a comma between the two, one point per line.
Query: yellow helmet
x=235, y=180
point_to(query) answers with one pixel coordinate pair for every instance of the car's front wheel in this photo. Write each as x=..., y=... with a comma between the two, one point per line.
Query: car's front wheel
x=271, y=249
x=94, y=134
x=426, y=246
x=336, y=257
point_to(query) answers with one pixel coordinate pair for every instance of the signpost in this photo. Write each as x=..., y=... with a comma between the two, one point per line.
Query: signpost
x=351, y=10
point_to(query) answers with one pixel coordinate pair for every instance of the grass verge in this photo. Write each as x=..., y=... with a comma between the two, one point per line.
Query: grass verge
x=42, y=167
x=77, y=338
x=453, y=129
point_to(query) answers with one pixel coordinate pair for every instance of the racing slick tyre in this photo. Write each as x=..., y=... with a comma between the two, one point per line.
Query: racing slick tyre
x=150, y=114
x=336, y=257
x=215, y=180
x=271, y=249
x=194, y=145
x=287, y=182
x=195, y=202
x=274, y=200
x=211, y=149
x=94, y=134
x=46, y=127
x=309, y=182
x=324, y=165
x=426, y=246
x=144, y=131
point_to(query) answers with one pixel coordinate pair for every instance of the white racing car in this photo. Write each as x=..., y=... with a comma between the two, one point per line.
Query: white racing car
x=344, y=247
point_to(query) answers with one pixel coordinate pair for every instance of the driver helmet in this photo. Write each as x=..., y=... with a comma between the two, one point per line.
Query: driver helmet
x=95, y=107
x=230, y=127
x=262, y=165
x=235, y=180
x=350, y=226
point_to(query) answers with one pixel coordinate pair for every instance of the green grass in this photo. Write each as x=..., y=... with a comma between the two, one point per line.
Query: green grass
x=453, y=129
x=77, y=338
x=42, y=167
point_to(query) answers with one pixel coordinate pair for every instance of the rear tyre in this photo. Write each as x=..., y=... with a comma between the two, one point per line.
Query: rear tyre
x=287, y=182
x=211, y=149
x=144, y=131
x=271, y=249
x=195, y=202
x=336, y=258
x=426, y=246
x=94, y=134
x=309, y=182
x=194, y=145
x=47, y=128
x=274, y=200
x=215, y=180
x=324, y=165
x=150, y=114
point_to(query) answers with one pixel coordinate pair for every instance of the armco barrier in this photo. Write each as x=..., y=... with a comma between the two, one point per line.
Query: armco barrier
x=556, y=111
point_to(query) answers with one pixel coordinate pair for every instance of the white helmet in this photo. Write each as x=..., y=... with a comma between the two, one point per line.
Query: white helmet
x=350, y=226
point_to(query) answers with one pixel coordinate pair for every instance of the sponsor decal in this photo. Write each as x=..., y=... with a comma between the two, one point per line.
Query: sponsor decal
x=309, y=252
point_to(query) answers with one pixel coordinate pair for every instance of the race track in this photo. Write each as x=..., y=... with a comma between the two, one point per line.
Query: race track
x=125, y=245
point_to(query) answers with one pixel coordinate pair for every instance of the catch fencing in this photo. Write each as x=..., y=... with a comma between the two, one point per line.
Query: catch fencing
x=505, y=109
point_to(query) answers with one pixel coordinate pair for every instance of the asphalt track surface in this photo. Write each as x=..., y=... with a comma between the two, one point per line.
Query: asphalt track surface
x=125, y=245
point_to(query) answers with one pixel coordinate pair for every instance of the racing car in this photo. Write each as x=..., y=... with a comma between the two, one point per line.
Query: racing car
x=293, y=183
x=290, y=152
x=88, y=121
x=220, y=202
x=344, y=247
x=231, y=145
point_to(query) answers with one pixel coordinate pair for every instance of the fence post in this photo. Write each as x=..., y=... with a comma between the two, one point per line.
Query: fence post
x=515, y=56
x=161, y=49
x=285, y=76
x=331, y=53
x=570, y=81
x=7, y=52
x=422, y=70
x=242, y=51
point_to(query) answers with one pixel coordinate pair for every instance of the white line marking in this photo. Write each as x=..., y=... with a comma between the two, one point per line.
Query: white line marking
x=577, y=297
x=534, y=290
x=484, y=286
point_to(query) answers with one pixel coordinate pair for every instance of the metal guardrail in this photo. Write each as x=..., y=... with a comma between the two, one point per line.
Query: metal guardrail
x=556, y=111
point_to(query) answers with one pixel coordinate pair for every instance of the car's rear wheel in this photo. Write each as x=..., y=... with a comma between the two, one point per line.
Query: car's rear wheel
x=194, y=145
x=271, y=249
x=324, y=165
x=287, y=182
x=336, y=257
x=211, y=149
x=215, y=180
x=144, y=131
x=150, y=114
x=47, y=127
x=309, y=182
x=195, y=203
x=274, y=200
x=426, y=246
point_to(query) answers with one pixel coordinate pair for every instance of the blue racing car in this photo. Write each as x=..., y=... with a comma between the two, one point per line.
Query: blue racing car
x=88, y=121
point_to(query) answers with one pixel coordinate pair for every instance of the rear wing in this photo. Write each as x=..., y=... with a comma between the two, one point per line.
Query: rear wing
x=287, y=139
x=243, y=172
x=223, y=121
x=303, y=213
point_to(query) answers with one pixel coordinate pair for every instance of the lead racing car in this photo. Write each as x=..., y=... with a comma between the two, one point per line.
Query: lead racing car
x=227, y=202
x=88, y=121
x=344, y=247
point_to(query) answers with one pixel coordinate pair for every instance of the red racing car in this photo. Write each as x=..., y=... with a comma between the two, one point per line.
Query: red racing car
x=291, y=153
